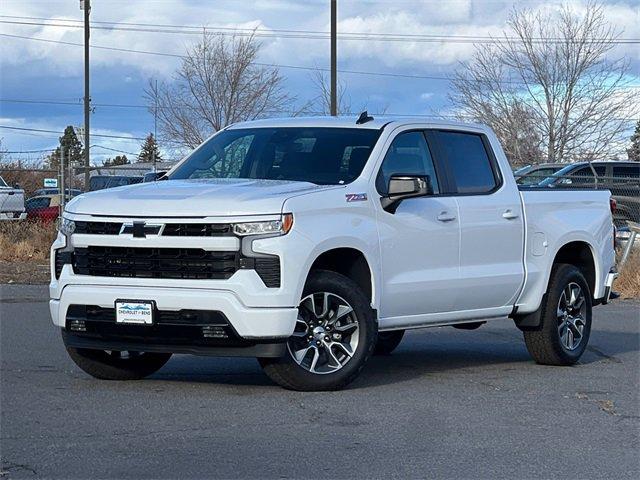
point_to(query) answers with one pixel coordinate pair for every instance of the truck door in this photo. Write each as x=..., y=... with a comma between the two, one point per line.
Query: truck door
x=419, y=241
x=491, y=223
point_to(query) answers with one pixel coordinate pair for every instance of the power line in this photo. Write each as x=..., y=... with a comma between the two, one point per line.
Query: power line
x=284, y=33
x=15, y=152
x=175, y=55
x=273, y=65
x=58, y=132
x=114, y=150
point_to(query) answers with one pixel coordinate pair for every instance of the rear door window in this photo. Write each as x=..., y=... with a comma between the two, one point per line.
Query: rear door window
x=467, y=162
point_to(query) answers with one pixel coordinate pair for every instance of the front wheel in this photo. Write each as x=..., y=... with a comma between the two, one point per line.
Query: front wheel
x=565, y=319
x=116, y=365
x=334, y=336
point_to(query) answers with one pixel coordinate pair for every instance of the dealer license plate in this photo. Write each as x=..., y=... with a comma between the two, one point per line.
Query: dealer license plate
x=134, y=311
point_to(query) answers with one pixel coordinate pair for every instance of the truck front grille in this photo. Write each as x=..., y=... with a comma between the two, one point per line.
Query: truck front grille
x=188, y=263
x=197, y=230
x=170, y=229
x=98, y=228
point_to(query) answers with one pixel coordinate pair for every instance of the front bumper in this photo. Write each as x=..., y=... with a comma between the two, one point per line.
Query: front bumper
x=250, y=323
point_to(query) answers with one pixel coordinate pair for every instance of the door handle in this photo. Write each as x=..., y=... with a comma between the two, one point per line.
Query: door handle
x=445, y=217
x=509, y=215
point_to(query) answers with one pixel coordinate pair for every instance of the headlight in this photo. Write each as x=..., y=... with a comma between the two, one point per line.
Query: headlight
x=273, y=227
x=67, y=227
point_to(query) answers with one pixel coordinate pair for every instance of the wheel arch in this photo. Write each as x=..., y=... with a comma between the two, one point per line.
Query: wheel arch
x=350, y=262
x=580, y=254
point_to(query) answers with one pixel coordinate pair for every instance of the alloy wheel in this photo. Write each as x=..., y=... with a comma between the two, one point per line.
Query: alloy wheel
x=571, y=314
x=326, y=334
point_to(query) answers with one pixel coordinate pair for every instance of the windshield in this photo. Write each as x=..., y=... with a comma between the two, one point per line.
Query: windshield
x=2, y=183
x=328, y=156
x=560, y=174
x=536, y=175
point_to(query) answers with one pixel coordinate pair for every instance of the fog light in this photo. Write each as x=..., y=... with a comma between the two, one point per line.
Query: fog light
x=212, y=331
x=77, y=325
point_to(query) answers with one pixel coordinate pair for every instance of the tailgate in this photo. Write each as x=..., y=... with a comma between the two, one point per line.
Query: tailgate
x=11, y=200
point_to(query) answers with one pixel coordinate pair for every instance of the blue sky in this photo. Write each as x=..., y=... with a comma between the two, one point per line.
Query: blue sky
x=41, y=72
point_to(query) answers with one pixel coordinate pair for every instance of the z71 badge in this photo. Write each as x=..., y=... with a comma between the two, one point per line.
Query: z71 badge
x=356, y=197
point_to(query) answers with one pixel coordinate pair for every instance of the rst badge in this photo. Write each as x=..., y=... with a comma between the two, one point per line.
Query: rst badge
x=356, y=197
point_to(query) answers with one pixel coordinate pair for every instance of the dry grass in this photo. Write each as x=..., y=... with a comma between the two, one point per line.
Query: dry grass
x=628, y=283
x=26, y=241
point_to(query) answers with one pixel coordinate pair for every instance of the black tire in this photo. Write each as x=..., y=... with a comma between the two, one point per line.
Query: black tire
x=112, y=366
x=388, y=342
x=544, y=343
x=287, y=373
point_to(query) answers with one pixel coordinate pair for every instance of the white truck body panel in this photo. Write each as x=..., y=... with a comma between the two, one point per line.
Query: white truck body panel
x=11, y=202
x=494, y=254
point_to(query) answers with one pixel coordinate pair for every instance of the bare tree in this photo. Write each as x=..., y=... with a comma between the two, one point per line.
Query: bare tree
x=217, y=84
x=547, y=88
x=321, y=104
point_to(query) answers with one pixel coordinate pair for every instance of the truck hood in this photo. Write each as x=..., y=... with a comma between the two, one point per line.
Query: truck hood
x=192, y=198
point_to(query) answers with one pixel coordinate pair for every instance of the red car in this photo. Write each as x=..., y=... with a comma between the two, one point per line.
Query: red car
x=44, y=208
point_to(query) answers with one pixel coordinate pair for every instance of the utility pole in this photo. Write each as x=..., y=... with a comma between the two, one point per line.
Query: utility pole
x=334, y=60
x=85, y=5
x=70, y=172
x=61, y=186
x=155, y=130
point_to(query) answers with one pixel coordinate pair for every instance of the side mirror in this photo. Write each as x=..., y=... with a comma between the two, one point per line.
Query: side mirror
x=402, y=187
x=17, y=186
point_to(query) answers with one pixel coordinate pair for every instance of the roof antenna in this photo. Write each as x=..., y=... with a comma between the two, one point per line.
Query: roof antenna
x=363, y=118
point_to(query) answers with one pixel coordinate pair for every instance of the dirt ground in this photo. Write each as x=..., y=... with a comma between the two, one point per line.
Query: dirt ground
x=24, y=272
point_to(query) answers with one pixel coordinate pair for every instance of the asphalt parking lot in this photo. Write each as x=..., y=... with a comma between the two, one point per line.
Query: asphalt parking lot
x=447, y=404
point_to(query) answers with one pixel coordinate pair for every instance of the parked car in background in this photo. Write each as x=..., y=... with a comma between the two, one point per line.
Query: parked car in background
x=100, y=182
x=621, y=178
x=45, y=208
x=532, y=174
x=56, y=191
x=11, y=202
x=319, y=242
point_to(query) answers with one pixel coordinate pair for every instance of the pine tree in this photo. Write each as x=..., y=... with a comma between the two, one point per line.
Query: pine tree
x=69, y=140
x=118, y=160
x=634, y=150
x=149, y=148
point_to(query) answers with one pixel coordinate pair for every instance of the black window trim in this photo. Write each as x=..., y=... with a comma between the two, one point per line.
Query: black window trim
x=440, y=173
x=441, y=158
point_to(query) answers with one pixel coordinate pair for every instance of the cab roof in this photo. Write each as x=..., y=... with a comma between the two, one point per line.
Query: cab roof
x=348, y=122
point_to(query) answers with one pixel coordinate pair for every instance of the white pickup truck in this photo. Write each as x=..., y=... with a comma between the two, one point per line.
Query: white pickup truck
x=312, y=244
x=11, y=202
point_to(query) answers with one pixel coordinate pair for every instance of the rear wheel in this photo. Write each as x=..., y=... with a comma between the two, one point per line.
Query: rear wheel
x=565, y=319
x=334, y=336
x=388, y=342
x=117, y=365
